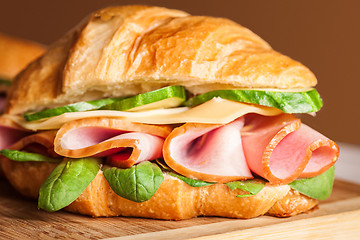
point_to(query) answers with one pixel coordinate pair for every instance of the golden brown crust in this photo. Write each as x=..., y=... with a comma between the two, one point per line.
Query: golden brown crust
x=38, y=83
x=292, y=204
x=123, y=51
x=26, y=177
x=16, y=54
x=174, y=200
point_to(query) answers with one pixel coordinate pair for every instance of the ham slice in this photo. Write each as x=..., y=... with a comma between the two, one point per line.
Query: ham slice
x=278, y=148
x=207, y=152
x=286, y=149
x=42, y=143
x=10, y=133
x=123, y=142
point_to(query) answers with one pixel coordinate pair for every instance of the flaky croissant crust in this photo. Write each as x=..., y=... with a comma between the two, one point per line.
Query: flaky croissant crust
x=122, y=51
x=174, y=200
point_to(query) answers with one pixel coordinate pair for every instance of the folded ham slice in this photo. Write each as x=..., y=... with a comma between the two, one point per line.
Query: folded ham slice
x=278, y=148
x=123, y=142
x=282, y=149
x=42, y=142
x=208, y=152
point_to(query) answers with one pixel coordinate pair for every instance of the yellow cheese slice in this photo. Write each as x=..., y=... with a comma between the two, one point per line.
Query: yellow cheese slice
x=215, y=111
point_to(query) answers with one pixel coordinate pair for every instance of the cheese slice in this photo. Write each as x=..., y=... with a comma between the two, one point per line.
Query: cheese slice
x=215, y=111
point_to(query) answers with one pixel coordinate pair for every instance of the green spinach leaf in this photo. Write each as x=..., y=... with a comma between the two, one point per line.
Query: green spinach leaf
x=318, y=187
x=251, y=186
x=20, y=156
x=66, y=183
x=138, y=183
x=189, y=181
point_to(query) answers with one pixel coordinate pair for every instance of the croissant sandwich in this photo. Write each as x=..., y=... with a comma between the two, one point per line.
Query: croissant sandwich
x=151, y=112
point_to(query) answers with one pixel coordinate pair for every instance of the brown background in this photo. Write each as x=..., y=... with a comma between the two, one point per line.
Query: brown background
x=324, y=35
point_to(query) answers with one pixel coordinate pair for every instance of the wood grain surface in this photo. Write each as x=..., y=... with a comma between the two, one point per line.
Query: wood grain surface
x=20, y=219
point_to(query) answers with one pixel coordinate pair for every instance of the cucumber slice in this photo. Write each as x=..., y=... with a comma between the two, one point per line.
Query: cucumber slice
x=288, y=102
x=166, y=97
x=75, y=107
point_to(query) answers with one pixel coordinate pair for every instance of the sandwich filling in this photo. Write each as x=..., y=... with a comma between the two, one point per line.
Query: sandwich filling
x=242, y=138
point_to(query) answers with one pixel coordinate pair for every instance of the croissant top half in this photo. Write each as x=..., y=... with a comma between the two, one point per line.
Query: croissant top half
x=122, y=51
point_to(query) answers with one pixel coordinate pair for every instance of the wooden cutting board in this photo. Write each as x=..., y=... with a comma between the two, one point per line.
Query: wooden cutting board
x=337, y=216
